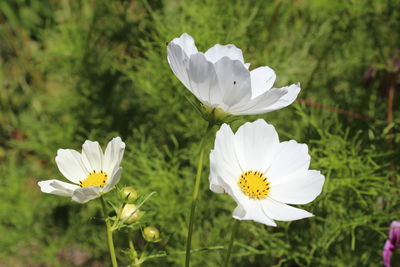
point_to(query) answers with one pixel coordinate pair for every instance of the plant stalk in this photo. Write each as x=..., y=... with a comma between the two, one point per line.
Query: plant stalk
x=231, y=241
x=109, y=234
x=196, y=194
x=389, y=117
x=132, y=249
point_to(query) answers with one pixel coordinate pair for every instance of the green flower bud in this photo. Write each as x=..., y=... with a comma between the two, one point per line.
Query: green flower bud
x=151, y=234
x=129, y=194
x=130, y=213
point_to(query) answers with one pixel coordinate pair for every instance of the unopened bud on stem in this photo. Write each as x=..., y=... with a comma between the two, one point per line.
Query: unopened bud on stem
x=151, y=234
x=129, y=194
x=130, y=213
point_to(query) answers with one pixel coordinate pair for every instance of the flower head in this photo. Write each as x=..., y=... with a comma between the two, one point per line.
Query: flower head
x=262, y=174
x=91, y=172
x=221, y=79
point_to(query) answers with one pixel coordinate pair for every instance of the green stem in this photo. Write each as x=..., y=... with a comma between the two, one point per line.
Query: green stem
x=166, y=254
x=109, y=234
x=196, y=194
x=231, y=241
x=132, y=248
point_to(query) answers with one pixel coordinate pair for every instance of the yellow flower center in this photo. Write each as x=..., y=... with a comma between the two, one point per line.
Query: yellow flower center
x=94, y=178
x=254, y=184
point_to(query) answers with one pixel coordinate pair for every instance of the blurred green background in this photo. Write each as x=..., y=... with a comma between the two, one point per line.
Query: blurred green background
x=76, y=70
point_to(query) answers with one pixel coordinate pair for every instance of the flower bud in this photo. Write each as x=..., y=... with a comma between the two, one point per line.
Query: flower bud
x=151, y=234
x=129, y=194
x=130, y=213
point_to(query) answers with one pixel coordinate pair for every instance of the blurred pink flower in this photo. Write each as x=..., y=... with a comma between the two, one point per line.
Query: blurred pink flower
x=394, y=233
x=392, y=243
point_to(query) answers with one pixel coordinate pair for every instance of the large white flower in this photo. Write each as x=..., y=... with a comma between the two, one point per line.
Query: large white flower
x=92, y=172
x=220, y=79
x=262, y=174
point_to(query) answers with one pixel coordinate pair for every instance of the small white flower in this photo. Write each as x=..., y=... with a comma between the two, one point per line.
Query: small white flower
x=262, y=174
x=92, y=173
x=220, y=79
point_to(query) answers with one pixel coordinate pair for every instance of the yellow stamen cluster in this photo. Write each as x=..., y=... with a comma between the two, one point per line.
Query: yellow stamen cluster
x=94, y=178
x=254, y=184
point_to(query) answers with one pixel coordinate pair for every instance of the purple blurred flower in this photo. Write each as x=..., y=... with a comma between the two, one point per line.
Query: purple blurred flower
x=392, y=243
x=394, y=233
x=387, y=253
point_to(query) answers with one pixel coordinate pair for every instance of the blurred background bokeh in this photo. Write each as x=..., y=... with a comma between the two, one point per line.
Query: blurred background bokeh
x=75, y=70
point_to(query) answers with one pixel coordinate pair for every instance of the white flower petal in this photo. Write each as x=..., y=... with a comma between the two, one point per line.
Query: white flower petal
x=203, y=80
x=92, y=156
x=248, y=209
x=70, y=164
x=297, y=188
x=225, y=150
x=290, y=157
x=57, y=187
x=213, y=178
x=282, y=212
x=224, y=178
x=239, y=213
x=232, y=189
x=233, y=80
x=287, y=99
x=83, y=195
x=112, y=181
x=186, y=42
x=113, y=155
x=262, y=80
x=252, y=210
x=179, y=62
x=260, y=104
x=218, y=51
x=256, y=144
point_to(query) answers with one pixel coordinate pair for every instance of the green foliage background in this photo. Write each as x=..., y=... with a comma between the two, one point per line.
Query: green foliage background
x=76, y=70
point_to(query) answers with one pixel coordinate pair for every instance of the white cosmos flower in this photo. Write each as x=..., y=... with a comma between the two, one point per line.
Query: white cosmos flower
x=220, y=79
x=92, y=172
x=262, y=174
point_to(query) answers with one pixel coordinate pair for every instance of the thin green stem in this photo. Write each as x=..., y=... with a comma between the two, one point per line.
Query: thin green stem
x=166, y=254
x=231, y=241
x=131, y=246
x=132, y=249
x=109, y=234
x=196, y=194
